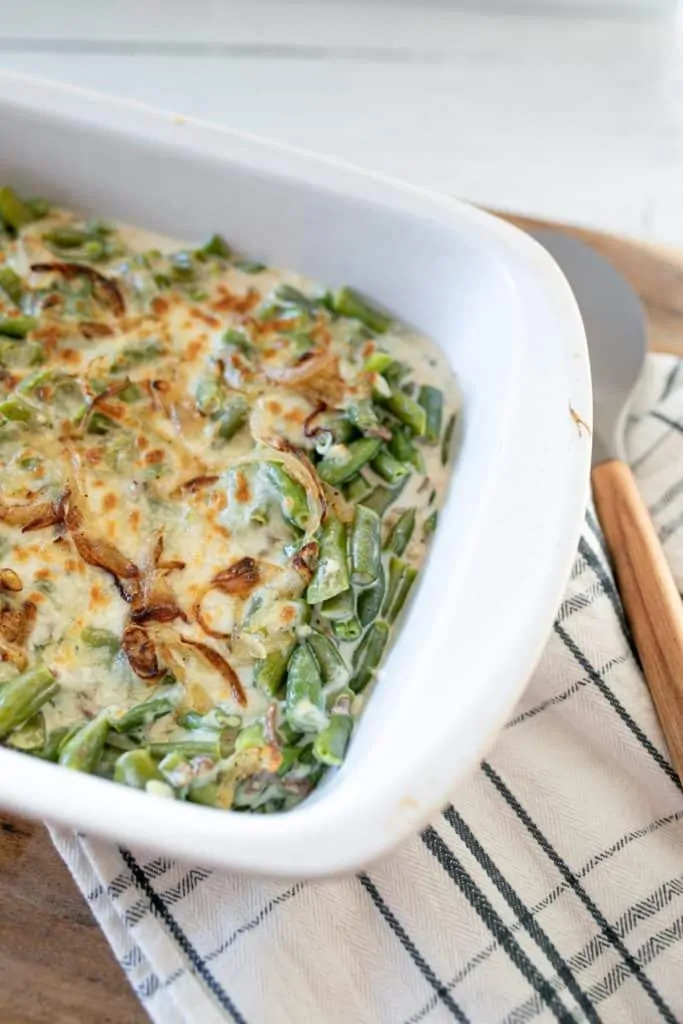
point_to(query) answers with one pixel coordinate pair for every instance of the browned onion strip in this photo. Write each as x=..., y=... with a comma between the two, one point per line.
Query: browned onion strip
x=107, y=289
x=194, y=485
x=139, y=648
x=9, y=580
x=218, y=662
x=315, y=363
x=239, y=579
x=199, y=616
x=91, y=329
x=95, y=550
x=304, y=561
x=309, y=429
x=34, y=515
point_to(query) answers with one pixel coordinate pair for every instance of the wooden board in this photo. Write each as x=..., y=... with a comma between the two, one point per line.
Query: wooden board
x=55, y=963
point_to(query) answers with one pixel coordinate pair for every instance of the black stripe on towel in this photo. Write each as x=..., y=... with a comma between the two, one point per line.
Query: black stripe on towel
x=159, y=909
x=412, y=950
x=494, y=922
x=526, y=919
x=569, y=876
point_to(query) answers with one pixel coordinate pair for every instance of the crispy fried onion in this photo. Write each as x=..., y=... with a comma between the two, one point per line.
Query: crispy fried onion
x=99, y=402
x=306, y=559
x=139, y=648
x=96, y=550
x=296, y=465
x=170, y=641
x=153, y=599
x=16, y=623
x=236, y=581
x=194, y=485
x=91, y=329
x=9, y=580
x=319, y=362
x=33, y=515
x=105, y=289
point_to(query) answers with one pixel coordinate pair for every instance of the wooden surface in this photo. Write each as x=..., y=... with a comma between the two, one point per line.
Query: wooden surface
x=55, y=964
x=649, y=593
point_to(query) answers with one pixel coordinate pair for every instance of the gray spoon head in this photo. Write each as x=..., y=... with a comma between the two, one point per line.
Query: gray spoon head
x=614, y=320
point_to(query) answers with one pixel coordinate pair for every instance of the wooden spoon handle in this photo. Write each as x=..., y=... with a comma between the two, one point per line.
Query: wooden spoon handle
x=649, y=594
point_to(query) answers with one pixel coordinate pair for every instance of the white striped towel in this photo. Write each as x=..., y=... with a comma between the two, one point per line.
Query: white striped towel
x=550, y=889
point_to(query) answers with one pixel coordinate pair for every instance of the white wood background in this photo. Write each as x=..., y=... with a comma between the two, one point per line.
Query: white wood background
x=568, y=117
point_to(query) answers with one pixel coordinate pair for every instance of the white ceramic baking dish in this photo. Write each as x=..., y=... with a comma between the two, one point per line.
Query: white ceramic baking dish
x=502, y=312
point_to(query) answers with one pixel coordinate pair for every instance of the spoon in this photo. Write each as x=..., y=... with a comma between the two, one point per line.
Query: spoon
x=614, y=321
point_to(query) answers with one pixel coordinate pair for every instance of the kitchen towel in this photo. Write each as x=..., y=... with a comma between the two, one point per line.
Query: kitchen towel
x=551, y=888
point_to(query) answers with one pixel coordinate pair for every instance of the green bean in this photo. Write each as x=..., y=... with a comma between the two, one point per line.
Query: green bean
x=293, y=297
x=448, y=439
x=430, y=523
x=366, y=546
x=403, y=449
x=405, y=583
x=333, y=670
x=330, y=744
x=401, y=532
x=17, y=326
x=370, y=600
x=93, y=636
x=13, y=210
x=191, y=720
x=120, y=741
x=357, y=489
x=29, y=736
x=251, y=736
x=338, y=608
x=270, y=672
x=206, y=795
x=22, y=696
x=378, y=362
x=396, y=567
x=331, y=576
x=67, y=237
x=11, y=284
x=136, y=768
x=141, y=714
x=396, y=373
x=382, y=497
x=431, y=400
x=209, y=747
x=249, y=266
x=304, y=701
x=232, y=417
x=217, y=246
x=14, y=409
x=389, y=468
x=348, y=302
x=55, y=740
x=406, y=410
x=347, y=631
x=363, y=415
x=39, y=206
x=339, y=466
x=82, y=751
x=368, y=655
x=292, y=496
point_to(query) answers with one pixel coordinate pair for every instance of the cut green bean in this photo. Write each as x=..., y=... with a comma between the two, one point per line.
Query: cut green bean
x=448, y=440
x=93, y=636
x=54, y=740
x=82, y=751
x=141, y=714
x=330, y=745
x=378, y=362
x=331, y=576
x=14, y=409
x=333, y=670
x=13, y=210
x=363, y=415
x=430, y=523
x=136, y=768
x=407, y=410
x=23, y=696
x=339, y=608
x=232, y=417
x=10, y=283
x=67, y=238
x=348, y=302
x=270, y=672
x=389, y=468
x=366, y=546
x=383, y=497
x=403, y=449
x=347, y=631
x=209, y=746
x=17, y=326
x=291, y=495
x=357, y=489
x=368, y=655
x=401, y=532
x=396, y=567
x=304, y=702
x=30, y=736
x=370, y=599
x=405, y=583
x=431, y=400
x=343, y=461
